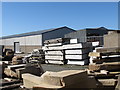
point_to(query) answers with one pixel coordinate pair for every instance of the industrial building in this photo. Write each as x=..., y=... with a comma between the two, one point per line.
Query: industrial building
x=89, y=34
x=26, y=42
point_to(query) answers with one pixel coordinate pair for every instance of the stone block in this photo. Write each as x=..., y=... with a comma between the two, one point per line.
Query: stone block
x=104, y=66
x=30, y=80
x=17, y=60
x=118, y=84
x=13, y=67
x=10, y=73
x=31, y=69
x=63, y=78
x=108, y=82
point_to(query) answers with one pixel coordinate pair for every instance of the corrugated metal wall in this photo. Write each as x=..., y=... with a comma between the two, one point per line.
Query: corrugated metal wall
x=100, y=32
x=60, y=33
x=28, y=40
x=27, y=43
x=81, y=35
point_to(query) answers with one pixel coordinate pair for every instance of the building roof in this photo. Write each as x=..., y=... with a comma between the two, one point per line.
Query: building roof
x=33, y=33
x=92, y=29
x=102, y=28
x=99, y=28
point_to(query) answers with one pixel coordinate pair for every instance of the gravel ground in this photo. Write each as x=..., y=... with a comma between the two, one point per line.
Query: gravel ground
x=51, y=67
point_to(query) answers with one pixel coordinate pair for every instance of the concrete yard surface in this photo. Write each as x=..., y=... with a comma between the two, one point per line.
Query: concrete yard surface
x=53, y=67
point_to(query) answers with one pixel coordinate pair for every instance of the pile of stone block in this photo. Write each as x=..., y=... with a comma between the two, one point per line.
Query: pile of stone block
x=106, y=65
x=11, y=72
x=70, y=79
x=106, y=60
x=9, y=84
x=66, y=51
x=77, y=53
x=36, y=56
x=54, y=51
x=15, y=71
x=17, y=60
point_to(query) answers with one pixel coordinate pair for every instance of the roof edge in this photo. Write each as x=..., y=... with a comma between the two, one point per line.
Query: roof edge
x=33, y=33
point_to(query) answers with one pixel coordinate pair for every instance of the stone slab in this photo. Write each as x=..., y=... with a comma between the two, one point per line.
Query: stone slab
x=54, y=62
x=30, y=80
x=74, y=40
x=54, y=52
x=107, y=59
x=79, y=45
x=53, y=48
x=64, y=78
x=13, y=67
x=74, y=62
x=32, y=70
x=47, y=87
x=54, y=44
x=54, y=57
x=96, y=67
x=60, y=79
x=10, y=73
x=79, y=57
x=109, y=67
x=107, y=50
x=108, y=82
x=78, y=51
x=83, y=85
x=94, y=54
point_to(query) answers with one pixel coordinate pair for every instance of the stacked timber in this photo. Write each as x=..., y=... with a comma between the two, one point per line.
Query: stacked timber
x=77, y=53
x=106, y=65
x=54, y=51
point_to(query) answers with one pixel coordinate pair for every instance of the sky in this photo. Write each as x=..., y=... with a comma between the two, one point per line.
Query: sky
x=22, y=17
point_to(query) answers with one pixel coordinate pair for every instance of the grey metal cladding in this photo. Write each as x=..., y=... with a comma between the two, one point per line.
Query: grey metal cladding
x=57, y=33
x=100, y=31
x=80, y=34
